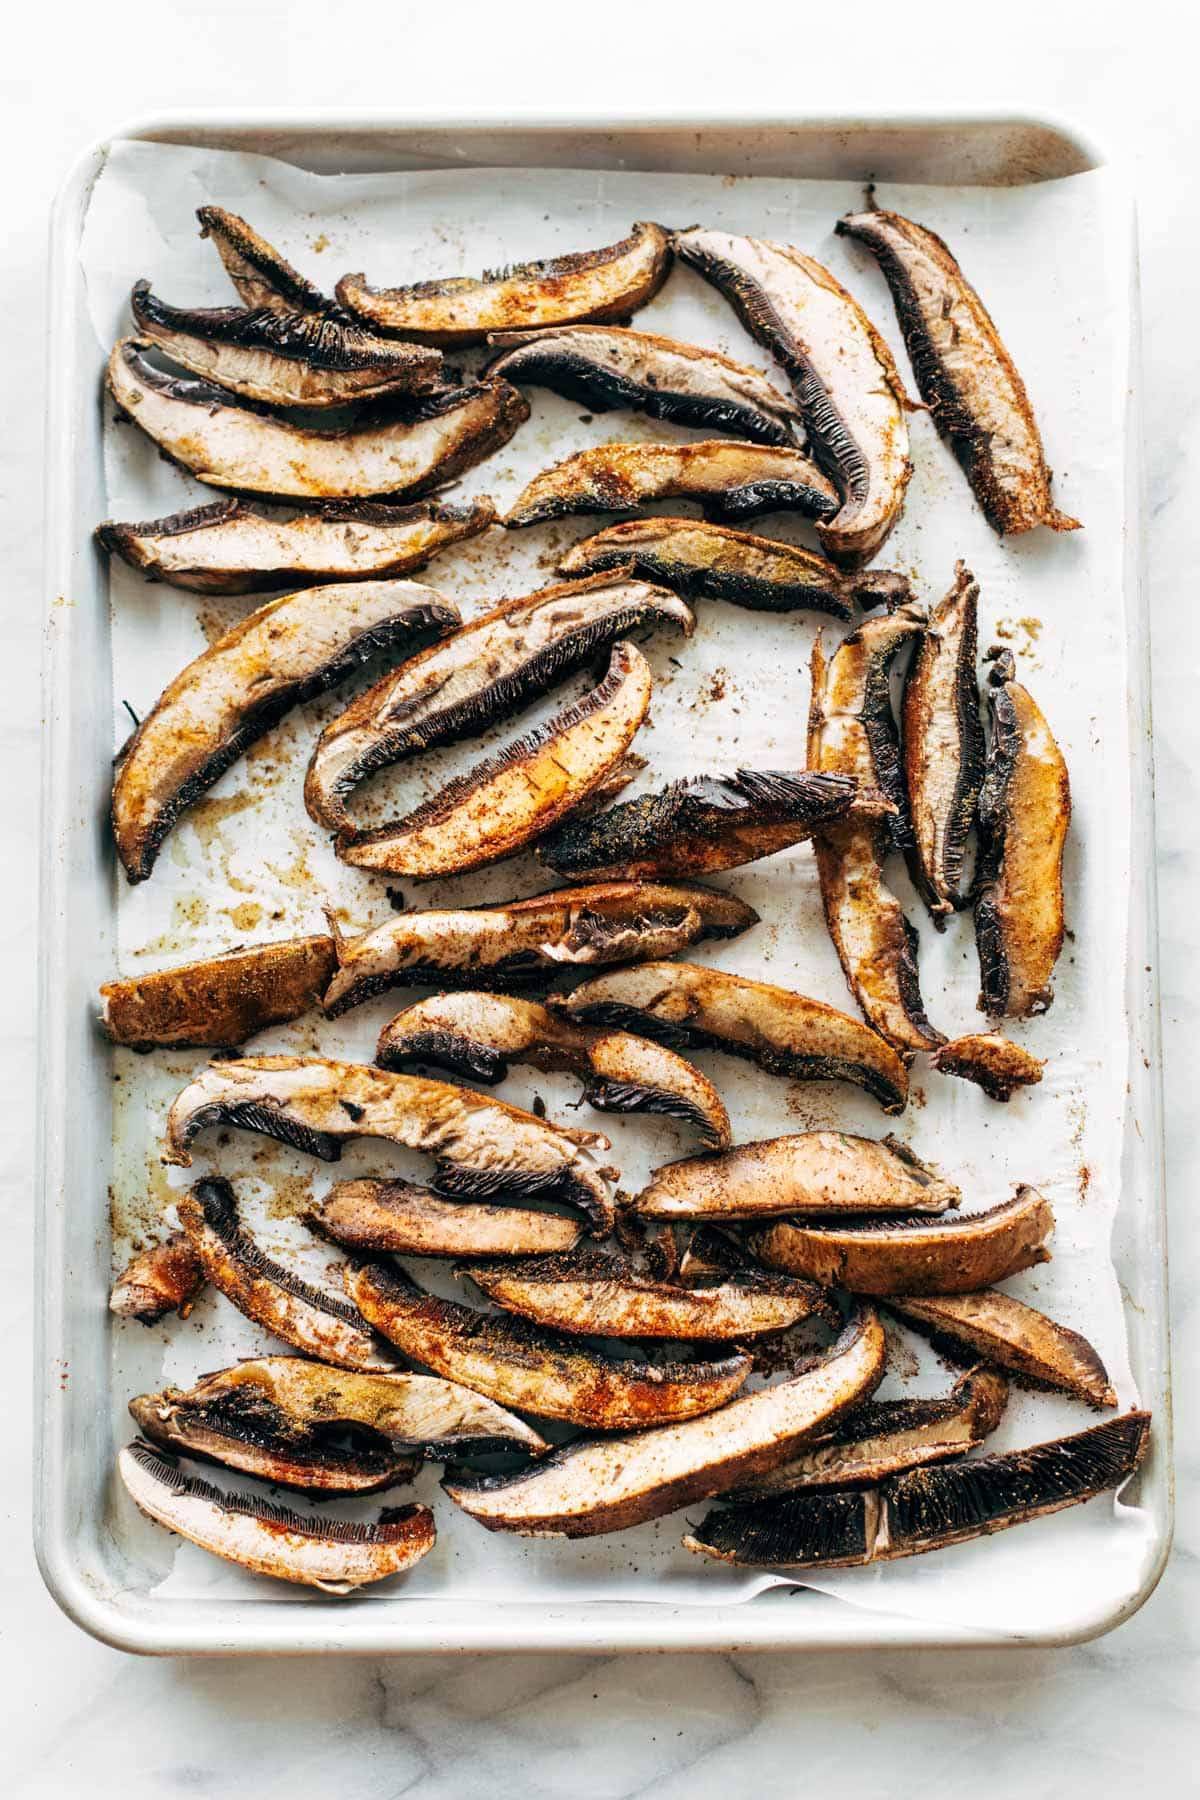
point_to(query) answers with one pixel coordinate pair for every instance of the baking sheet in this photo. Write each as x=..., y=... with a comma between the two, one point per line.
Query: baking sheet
x=248, y=863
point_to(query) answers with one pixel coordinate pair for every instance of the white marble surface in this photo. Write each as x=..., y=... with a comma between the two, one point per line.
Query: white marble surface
x=74, y=1714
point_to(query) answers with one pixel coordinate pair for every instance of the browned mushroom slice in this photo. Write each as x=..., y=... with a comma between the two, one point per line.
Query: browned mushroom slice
x=588, y=284
x=613, y=1483
x=322, y=1325
x=965, y=374
x=915, y=1256
x=229, y=547
x=1024, y=816
x=336, y=1555
x=513, y=797
x=730, y=479
x=260, y=274
x=994, y=1063
x=843, y=374
x=519, y=1364
x=818, y=1172
x=604, y=367
x=166, y=1278
x=492, y=666
x=530, y=940
x=228, y=442
x=478, y=1035
x=704, y=561
x=690, y=1006
x=887, y=1436
x=394, y=1215
x=276, y=658
x=1014, y=1336
x=944, y=748
x=483, y=1147
x=222, y=1000
x=305, y=1426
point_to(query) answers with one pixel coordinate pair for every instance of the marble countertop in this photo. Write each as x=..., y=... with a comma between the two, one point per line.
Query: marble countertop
x=74, y=1712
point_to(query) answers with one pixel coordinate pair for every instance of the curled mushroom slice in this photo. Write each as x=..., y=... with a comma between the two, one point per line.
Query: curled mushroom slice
x=885, y=1437
x=322, y=1325
x=276, y=658
x=530, y=940
x=1024, y=816
x=513, y=797
x=944, y=747
x=491, y=667
x=731, y=480
x=229, y=547
x=689, y=1006
x=915, y=1255
x=301, y=1425
x=705, y=561
x=604, y=367
x=483, y=1147
x=229, y=442
x=377, y=1215
x=817, y=1172
x=848, y=386
x=589, y=284
x=994, y=1063
x=336, y=1555
x=519, y=1364
x=260, y=274
x=166, y=1278
x=963, y=371
x=1013, y=1335
x=613, y=1483
x=222, y=1000
x=478, y=1035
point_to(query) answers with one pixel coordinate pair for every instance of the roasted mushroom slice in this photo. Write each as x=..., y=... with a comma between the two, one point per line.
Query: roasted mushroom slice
x=522, y=791
x=1014, y=1336
x=589, y=284
x=229, y=547
x=477, y=1035
x=944, y=747
x=259, y=273
x=530, y=940
x=843, y=374
x=394, y=1215
x=166, y=1278
x=915, y=1255
x=492, y=666
x=1024, y=816
x=704, y=561
x=963, y=371
x=276, y=658
x=885, y=1437
x=606, y=1296
x=336, y=1555
x=222, y=1000
x=811, y=1172
x=284, y=359
x=302, y=1425
x=595, y=1487
x=228, y=442
x=322, y=1325
x=994, y=1063
x=688, y=1006
x=604, y=367
x=518, y=1364
x=731, y=480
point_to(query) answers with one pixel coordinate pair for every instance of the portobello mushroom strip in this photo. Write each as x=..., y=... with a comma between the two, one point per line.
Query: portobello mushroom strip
x=221, y=1001
x=1014, y=1336
x=287, y=652
x=731, y=480
x=528, y=941
x=166, y=1278
x=374, y=1215
x=478, y=1035
x=992, y=1062
x=964, y=373
x=260, y=274
x=811, y=1172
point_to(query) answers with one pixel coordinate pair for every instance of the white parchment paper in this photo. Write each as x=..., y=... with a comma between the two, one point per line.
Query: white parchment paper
x=1051, y=261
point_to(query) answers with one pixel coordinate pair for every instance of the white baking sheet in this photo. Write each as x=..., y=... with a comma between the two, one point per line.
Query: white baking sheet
x=246, y=863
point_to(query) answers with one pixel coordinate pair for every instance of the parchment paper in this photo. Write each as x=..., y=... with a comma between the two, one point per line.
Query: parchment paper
x=247, y=863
